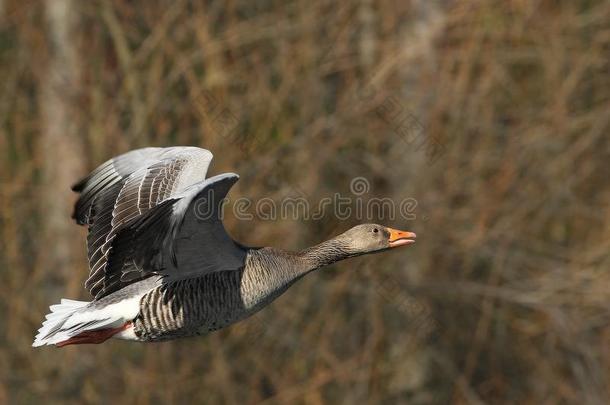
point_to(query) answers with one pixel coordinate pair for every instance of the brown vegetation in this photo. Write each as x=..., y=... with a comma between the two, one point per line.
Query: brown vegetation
x=505, y=298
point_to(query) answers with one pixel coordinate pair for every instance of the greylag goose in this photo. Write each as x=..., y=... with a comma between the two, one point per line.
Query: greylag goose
x=161, y=263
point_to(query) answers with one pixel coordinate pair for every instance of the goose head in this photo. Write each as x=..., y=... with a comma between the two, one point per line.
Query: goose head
x=370, y=238
x=359, y=240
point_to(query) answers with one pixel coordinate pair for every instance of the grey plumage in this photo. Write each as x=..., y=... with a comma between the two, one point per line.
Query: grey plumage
x=217, y=299
x=161, y=262
x=212, y=301
x=124, y=189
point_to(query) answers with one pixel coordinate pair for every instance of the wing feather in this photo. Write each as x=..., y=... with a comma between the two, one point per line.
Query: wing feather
x=125, y=188
x=174, y=229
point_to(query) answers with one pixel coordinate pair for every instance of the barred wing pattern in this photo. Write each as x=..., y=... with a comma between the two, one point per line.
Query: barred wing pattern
x=183, y=237
x=125, y=188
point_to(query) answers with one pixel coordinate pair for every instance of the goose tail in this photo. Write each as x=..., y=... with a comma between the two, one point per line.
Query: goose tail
x=52, y=330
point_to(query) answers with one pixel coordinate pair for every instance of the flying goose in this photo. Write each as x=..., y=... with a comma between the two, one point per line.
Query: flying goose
x=161, y=263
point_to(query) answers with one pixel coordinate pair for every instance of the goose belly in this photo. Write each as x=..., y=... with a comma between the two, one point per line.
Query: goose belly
x=191, y=307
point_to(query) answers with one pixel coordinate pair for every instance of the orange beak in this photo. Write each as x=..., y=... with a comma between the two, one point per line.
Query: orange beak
x=400, y=238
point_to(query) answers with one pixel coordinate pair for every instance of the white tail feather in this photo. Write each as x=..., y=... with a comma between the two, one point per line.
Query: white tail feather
x=52, y=328
x=70, y=318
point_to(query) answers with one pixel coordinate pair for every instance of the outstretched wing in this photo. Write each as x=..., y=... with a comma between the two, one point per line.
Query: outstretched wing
x=126, y=187
x=107, y=176
x=180, y=238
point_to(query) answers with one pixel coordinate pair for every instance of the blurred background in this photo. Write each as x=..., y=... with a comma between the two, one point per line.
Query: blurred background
x=493, y=116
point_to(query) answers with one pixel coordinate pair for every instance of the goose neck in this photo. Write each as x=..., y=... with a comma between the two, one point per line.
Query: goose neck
x=326, y=253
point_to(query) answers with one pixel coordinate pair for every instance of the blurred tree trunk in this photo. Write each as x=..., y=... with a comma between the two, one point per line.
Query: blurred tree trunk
x=368, y=38
x=61, y=148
